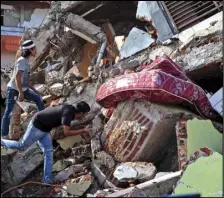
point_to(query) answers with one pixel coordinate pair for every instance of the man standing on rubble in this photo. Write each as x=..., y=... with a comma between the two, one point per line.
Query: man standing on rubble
x=40, y=126
x=18, y=86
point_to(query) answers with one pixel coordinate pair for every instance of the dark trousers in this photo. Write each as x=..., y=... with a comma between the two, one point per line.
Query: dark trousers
x=11, y=97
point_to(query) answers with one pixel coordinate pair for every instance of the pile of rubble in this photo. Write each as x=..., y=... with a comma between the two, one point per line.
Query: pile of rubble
x=140, y=137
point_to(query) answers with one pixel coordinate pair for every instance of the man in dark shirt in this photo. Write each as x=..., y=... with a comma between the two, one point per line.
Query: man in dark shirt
x=39, y=131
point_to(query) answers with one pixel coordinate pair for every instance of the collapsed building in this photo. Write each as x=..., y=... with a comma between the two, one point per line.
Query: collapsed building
x=148, y=75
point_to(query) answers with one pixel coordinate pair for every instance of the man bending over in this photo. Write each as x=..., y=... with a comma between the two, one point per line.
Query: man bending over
x=39, y=131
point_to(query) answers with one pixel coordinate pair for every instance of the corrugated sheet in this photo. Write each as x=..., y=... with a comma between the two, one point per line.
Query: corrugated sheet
x=187, y=13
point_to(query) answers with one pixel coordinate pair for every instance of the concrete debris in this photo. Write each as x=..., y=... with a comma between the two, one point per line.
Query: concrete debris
x=198, y=57
x=68, y=142
x=60, y=165
x=196, y=175
x=130, y=140
x=64, y=174
x=57, y=89
x=211, y=137
x=78, y=189
x=132, y=171
x=56, y=67
x=125, y=173
x=155, y=187
x=136, y=192
x=104, y=159
x=73, y=170
x=23, y=163
x=136, y=41
x=95, y=146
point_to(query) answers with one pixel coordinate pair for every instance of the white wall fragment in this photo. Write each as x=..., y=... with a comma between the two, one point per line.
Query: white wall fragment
x=143, y=11
x=216, y=101
x=37, y=18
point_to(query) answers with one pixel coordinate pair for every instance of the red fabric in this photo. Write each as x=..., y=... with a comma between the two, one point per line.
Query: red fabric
x=162, y=81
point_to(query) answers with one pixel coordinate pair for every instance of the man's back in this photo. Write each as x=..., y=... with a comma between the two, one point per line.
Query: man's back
x=52, y=117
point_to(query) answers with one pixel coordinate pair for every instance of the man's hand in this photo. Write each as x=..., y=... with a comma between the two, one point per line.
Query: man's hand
x=21, y=97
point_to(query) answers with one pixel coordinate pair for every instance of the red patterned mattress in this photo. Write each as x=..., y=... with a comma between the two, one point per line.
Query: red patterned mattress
x=162, y=81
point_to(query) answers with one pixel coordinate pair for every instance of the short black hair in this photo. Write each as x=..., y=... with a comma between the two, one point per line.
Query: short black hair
x=82, y=107
x=26, y=52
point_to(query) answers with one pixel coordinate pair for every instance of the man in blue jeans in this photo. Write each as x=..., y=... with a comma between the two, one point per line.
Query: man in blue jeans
x=18, y=86
x=39, y=131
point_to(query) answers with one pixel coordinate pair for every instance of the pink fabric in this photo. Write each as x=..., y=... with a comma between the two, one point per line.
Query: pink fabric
x=162, y=81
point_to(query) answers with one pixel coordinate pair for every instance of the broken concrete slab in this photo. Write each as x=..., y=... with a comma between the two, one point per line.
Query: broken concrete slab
x=182, y=137
x=25, y=162
x=78, y=189
x=65, y=174
x=146, y=171
x=196, y=176
x=136, y=41
x=201, y=133
x=81, y=27
x=126, y=173
x=68, y=142
x=159, y=186
x=132, y=171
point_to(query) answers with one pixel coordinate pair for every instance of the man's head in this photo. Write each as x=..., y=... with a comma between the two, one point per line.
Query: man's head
x=81, y=110
x=28, y=49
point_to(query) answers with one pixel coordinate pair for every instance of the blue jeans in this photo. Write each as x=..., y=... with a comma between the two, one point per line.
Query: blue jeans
x=44, y=140
x=11, y=97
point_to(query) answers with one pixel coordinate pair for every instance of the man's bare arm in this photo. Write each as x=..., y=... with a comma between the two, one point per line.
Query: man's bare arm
x=18, y=81
x=69, y=132
x=19, y=85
